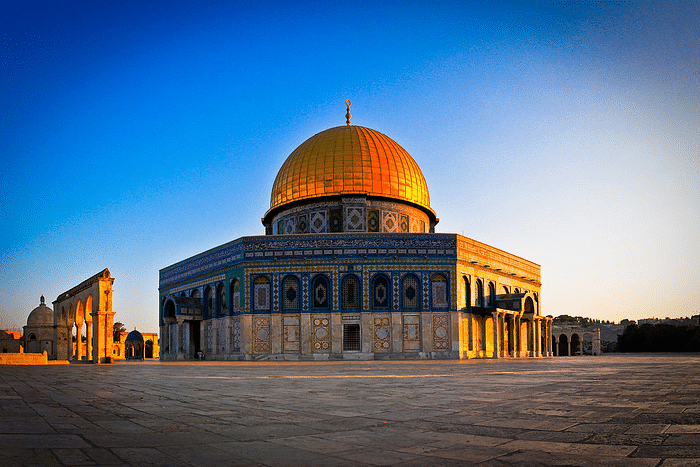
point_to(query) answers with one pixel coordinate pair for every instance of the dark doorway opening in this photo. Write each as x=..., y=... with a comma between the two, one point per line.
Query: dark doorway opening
x=351, y=337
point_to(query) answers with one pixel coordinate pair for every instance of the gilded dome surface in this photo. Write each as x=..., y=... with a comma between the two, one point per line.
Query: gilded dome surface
x=348, y=160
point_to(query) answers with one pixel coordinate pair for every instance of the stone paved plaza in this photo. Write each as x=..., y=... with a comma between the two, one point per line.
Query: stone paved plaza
x=610, y=410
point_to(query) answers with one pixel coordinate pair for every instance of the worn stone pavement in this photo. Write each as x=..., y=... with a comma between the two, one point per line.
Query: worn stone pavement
x=612, y=410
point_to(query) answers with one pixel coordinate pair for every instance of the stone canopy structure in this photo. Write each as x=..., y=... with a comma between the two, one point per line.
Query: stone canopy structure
x=350, y=267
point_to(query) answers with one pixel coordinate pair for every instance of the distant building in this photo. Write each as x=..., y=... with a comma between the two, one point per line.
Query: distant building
x=151, y=346
x=39, y=331
x=10, y=341
x=575, y=340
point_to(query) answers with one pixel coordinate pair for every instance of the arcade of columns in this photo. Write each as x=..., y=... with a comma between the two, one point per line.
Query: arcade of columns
x=539, y=329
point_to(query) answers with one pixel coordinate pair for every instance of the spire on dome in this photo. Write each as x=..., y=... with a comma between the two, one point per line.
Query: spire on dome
x=347, y=115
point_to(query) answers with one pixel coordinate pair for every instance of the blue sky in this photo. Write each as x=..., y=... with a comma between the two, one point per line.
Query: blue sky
x=135, y=135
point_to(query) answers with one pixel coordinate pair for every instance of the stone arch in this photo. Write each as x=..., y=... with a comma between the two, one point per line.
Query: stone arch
x=194, y=293
x=529, y=307
x=148, y=349
x=467, y=294
x=492, y=295
x=81, y=334
x=169, y=311
x=505, y=290
x=208, y=302
x=235, y=293
x=221, y=306
x=563, y=348
x=479, y=293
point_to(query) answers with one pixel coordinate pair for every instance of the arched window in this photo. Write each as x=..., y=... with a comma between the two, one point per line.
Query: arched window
x=517, y=290
x=505, y=290
x=439, y=291
x=380, y=292
x=467, y=293
x=194, y=293
x=320, y=292
x=410, y=292
x=261, y=294
x=208, y=302
x=290, y=294
x=221, y=306
x=351, y=293
x=492, y=294
x=529, y=307
x=235, y=297
x=169, y=309
x=479, y=293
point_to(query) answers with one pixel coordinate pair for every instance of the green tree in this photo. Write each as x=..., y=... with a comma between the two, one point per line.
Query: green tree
x=118, y=328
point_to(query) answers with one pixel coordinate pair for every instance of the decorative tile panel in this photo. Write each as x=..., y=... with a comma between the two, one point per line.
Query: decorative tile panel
x=290, y=225
x=305, y=292
x=403, y=223
x=319, y=222
x=354, y=219
x=372, y=220
x=411, y=332
x=291, y=333
x=336, y=220
x=390, y=222
x=382, y=334
x=236, y=335
x=303, y=224
x=441, y=334
x=321, y=334
x=261, y=334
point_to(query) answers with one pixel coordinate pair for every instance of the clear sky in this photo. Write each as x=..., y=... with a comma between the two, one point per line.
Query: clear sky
x=134, y=134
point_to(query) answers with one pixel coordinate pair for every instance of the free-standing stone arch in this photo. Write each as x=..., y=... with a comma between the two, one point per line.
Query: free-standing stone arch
x=88, y=303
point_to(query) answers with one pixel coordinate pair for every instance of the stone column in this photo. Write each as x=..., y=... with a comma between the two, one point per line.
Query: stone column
x=305, y=337
x=179, y=344
x=568, y=343
x=276, y=326
x=396, y=332
x=367, y=332
x=336, y=333
x=496, y=335
x=88, y=339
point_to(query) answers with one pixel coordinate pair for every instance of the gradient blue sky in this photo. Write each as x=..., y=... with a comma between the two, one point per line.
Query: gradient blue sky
x=136, y=134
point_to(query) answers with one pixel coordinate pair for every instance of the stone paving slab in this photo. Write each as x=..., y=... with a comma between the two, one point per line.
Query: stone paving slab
x=623, y=410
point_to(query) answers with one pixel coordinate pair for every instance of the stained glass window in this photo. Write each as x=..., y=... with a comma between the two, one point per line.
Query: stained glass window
x=411, y=298
x=290, y=293
x=351, y=292
x=261, y=293
x=320, y=293
x=439, y=291
x=222, y=306
x=235, y=296
x=380, y=292
x=209, y=302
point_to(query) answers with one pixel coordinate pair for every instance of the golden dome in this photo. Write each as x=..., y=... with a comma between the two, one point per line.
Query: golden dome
x=350, y=160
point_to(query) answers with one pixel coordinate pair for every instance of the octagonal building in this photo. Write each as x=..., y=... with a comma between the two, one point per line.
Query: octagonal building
x=350, y=267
